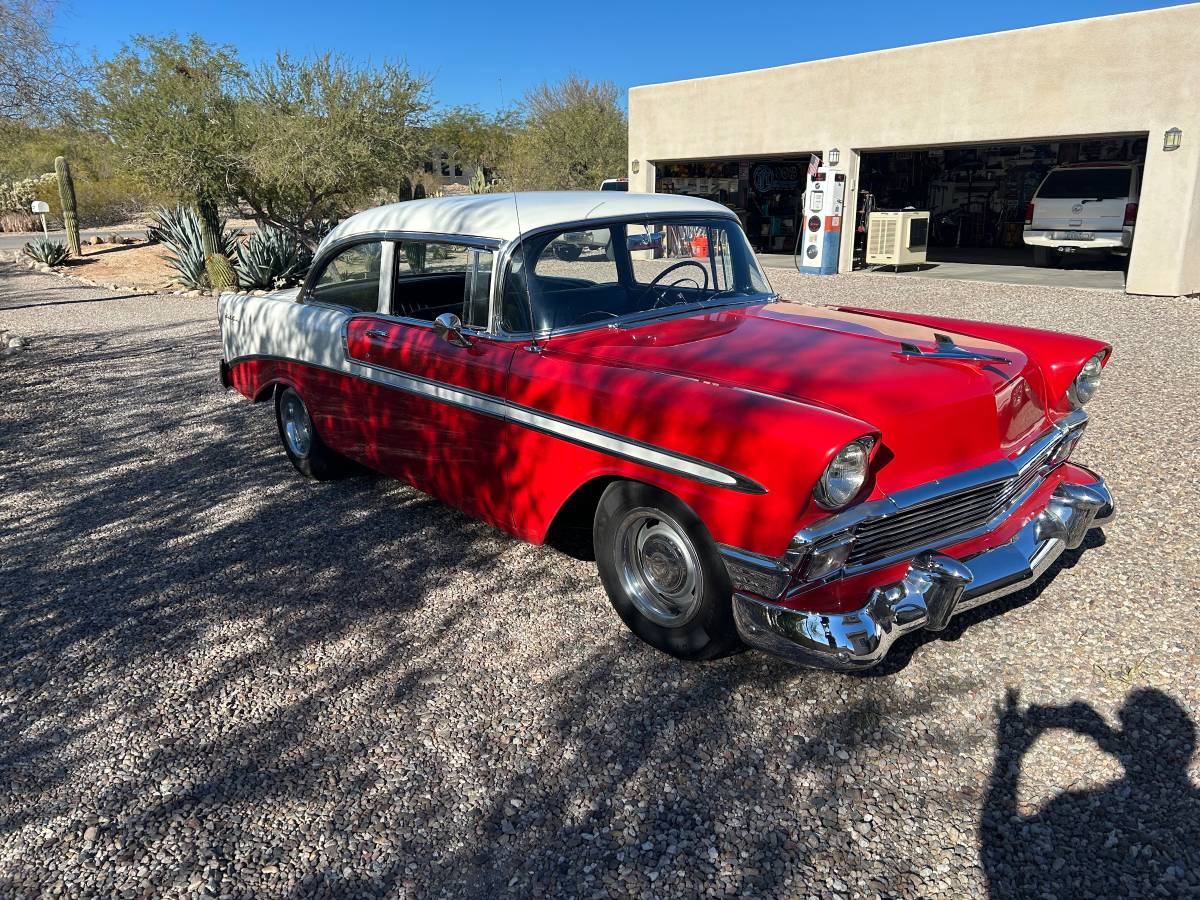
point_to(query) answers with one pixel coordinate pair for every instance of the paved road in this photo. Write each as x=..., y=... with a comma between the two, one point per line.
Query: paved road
x=17, y=241
x=219, y=680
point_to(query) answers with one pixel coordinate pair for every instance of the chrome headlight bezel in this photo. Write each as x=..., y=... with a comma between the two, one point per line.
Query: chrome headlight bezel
x=1085, y=384
x=845, y=475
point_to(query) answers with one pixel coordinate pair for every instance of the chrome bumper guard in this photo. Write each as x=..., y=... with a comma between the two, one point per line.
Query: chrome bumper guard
x=936, y=588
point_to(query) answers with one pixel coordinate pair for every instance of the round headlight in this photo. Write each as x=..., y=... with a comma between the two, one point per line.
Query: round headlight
x=844, y=476
x=1086, y=381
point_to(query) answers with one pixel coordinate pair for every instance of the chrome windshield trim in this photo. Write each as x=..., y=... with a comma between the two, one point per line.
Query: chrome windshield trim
x=510, y=249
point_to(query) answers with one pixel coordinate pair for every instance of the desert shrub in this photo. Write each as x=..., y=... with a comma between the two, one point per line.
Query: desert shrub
x=19, y=221
x=272, y=258
x=178, y=229
x=15, y=196
x=43, y=250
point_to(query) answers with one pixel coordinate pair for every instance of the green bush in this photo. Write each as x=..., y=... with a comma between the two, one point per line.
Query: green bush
x=272, y=258
x=43, y=250
x=178, y=229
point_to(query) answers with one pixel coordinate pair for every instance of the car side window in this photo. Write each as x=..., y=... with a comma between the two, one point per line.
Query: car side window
x=351, y=278
x=433, y=278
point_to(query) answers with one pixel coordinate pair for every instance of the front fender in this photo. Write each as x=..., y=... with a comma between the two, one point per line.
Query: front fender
x=777, y=447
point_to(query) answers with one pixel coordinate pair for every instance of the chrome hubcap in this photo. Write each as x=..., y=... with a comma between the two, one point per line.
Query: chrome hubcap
x=297, y=426
x=659, y=567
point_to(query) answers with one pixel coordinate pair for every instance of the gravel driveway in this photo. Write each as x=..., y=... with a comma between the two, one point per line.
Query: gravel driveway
x=217, y=679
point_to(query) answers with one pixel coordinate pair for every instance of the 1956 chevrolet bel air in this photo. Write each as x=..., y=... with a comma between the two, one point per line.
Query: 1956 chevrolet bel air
x=813, y=482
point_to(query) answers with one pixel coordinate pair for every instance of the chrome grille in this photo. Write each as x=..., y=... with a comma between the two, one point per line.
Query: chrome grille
x=941, y=518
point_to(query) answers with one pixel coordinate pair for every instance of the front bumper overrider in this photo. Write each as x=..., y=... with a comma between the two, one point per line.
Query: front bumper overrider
x=935, y=588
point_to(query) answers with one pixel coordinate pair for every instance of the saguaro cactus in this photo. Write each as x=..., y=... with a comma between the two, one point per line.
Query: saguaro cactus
x=210, y=226
x=221, y=274
x=66, y=193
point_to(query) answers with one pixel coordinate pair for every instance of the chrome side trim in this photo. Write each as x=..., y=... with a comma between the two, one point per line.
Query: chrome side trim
x=935, y=588
x=566, y=429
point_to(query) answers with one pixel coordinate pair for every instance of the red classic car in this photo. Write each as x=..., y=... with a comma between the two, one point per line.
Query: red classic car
x=814, y=482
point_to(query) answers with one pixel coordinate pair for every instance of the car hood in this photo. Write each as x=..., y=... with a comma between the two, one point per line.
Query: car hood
x=936, y=416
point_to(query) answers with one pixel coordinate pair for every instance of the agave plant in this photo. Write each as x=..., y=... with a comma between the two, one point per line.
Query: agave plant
x=272, y=258
x=178, y=230
x=43, y=250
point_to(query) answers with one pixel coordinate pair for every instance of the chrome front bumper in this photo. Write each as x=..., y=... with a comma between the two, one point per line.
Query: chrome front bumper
x=936, y=588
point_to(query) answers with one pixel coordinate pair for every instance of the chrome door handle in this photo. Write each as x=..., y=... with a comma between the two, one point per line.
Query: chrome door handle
x=377, y=334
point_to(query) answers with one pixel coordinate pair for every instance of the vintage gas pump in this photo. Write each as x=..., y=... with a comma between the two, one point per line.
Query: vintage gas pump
x=822, y=234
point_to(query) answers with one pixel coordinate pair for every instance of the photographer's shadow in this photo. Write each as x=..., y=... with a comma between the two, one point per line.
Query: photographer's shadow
x=1138, y=836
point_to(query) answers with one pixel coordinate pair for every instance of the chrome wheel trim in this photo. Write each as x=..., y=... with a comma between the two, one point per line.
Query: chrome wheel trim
x=297, y=426
x=658, y=567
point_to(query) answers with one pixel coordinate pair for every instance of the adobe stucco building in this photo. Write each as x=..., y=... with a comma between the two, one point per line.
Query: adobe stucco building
x=967, y=125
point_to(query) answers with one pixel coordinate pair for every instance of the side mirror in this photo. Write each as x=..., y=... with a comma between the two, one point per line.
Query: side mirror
x=449, y=328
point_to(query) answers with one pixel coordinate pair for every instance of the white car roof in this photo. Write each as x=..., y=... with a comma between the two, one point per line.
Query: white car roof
x=496, y=216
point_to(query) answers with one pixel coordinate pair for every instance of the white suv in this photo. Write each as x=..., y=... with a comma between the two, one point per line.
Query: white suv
x=1084, y=208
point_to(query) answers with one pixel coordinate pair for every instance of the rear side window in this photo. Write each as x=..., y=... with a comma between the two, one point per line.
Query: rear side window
x=1084, y=184
x=351, y=278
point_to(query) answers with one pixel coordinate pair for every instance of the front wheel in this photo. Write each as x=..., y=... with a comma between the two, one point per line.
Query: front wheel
x=663, y=573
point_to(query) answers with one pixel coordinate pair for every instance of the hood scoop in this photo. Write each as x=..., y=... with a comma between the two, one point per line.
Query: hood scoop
x=947, y=349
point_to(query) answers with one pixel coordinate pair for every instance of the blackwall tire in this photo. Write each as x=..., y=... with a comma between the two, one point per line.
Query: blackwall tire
x=663, y=573
x=303, y=445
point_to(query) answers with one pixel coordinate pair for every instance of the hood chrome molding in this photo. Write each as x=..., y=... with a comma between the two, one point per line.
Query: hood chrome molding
x=947, y=349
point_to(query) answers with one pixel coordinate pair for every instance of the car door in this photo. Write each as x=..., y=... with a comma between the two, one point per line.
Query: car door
x=440, y=414
x=347, y=283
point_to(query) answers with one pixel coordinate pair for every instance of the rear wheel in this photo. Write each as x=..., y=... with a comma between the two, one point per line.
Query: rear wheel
x=304, y=447
x=663, y=573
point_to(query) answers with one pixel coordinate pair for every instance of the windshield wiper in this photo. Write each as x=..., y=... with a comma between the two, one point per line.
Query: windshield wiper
x=677, y=308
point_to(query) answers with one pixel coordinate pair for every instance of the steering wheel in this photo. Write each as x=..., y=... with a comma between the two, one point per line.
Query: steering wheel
x=679, y=265
x=675, y=284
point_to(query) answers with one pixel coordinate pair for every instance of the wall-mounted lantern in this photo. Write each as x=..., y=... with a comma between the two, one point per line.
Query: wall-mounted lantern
x=635, y=166
x=1172, y=139
x=834, y=156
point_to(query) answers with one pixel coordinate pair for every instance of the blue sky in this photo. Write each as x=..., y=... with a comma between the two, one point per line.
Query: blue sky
x=489, y=54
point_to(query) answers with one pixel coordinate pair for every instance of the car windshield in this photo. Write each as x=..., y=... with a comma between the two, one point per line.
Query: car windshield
x=630, y=271
x=1085, y=184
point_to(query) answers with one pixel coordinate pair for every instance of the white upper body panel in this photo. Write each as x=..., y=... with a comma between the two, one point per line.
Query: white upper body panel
x=505, y=217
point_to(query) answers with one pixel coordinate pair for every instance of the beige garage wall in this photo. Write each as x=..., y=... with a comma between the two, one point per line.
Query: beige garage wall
x=1114, y=75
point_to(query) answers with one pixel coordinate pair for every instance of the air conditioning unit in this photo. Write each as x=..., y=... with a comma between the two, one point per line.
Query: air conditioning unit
x=897, y=238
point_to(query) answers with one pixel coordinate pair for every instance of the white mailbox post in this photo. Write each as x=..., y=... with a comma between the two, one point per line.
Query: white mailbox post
x=40, y=208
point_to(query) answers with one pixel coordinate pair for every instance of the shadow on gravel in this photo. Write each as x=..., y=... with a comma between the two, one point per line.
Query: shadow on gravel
x=241, y=682
x=145, y=514
x=1136, y=837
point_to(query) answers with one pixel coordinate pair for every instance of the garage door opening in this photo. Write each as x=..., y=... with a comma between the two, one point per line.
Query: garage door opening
x=979, y=200
x=767, y=193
